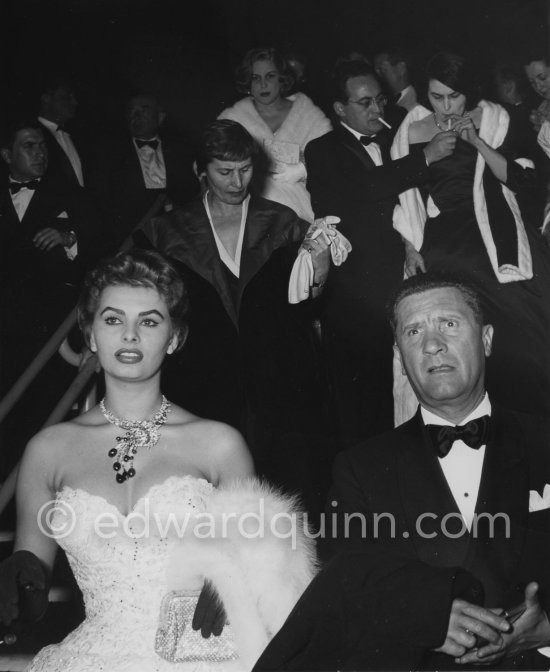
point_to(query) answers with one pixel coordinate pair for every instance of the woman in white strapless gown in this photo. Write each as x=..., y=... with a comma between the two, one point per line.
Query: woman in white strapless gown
x=126, y=497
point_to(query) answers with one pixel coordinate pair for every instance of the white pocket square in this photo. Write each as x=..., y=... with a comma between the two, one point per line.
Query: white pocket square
x=538, y=503
x=63, y=215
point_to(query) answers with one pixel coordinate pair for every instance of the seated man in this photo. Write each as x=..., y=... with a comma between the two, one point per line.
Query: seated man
x=141, y=173
x=463, y=484
x=47, y=238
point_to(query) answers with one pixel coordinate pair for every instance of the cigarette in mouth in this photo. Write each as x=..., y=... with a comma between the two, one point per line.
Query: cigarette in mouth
x=384, y=122
x=448, y=124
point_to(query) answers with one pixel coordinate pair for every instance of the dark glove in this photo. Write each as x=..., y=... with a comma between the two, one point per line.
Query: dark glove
x=209, y=616
x=23, y=588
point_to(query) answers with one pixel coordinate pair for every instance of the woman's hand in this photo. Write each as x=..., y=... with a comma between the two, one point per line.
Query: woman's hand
x=465, y=129
x=414, y=263
x=318, y=245
x=537, y=119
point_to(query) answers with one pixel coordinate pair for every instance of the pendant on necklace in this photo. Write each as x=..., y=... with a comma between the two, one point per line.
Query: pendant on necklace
x=139, y=434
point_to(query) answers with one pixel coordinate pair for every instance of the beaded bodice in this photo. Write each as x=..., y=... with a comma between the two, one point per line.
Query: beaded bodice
x=120, y=563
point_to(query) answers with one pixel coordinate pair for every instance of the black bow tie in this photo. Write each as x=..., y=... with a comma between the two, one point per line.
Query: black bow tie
x=367, y=139
x=17, y=186
x=147, y=143
x=473, y=433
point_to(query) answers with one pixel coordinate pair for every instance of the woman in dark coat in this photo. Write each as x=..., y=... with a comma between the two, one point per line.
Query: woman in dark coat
x=251, y=358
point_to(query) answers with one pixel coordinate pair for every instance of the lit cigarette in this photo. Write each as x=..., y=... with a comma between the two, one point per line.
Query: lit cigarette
x=384, y=122
x=448, y=124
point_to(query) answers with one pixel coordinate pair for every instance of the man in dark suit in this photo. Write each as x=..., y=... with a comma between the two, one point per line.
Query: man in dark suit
x=47, y=238
x=350, y=175
x=58, y=105
x=143, y=173
x=456, y=486
x=393, y=66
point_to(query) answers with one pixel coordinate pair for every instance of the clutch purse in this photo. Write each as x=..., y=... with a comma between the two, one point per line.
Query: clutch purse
x=177, y=642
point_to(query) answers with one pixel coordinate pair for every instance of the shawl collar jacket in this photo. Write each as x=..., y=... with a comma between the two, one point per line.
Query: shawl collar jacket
x=187, y=237
x=251, y=357
x=399, y=473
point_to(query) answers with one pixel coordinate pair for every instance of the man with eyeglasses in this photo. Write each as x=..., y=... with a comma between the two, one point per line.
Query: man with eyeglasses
x=351, y=175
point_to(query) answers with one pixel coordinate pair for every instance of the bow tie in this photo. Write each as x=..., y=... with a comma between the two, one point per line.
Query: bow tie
x=17, y=186
x=147, y=143
x=367, y=139
x=473, y=433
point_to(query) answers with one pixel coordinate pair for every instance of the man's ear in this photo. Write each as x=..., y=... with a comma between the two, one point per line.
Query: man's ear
x=487, y=332
x=162, y=117
x=339, y=109
x=397, y=352
x=6, y=155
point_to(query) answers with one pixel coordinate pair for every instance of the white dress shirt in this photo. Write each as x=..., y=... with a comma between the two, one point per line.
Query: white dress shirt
x=21, y=201
x=63, y=139
x=373, y=150
x=152, y=164
x=462, y=465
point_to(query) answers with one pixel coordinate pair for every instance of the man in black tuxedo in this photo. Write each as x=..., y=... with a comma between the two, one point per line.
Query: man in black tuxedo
x=393, y=66
x=350, y=175
x=58, y=106
x=456, y=489
x=143, y=173
x=47, y=238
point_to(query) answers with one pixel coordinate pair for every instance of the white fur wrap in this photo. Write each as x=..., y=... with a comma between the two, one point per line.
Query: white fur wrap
x=250, y=543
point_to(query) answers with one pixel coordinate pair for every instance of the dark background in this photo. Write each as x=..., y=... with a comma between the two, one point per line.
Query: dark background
x=185, y=51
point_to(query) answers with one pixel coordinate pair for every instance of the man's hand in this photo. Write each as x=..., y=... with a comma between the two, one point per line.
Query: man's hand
x=209, y=616
x=48, y=238
x=530, y=631
x=440, y=146
x=468, y=621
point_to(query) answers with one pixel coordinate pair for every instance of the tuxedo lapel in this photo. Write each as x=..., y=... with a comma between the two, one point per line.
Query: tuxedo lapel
x=504, y=469
x=427, y=499
x=502, y=509
x=350, y=142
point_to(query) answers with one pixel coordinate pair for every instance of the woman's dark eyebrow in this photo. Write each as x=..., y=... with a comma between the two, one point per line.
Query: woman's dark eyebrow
x=115, y=310
x=121, y=312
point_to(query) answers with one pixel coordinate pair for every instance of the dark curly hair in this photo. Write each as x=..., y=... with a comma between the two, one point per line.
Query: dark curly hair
x=136, y=268
x=243, y=73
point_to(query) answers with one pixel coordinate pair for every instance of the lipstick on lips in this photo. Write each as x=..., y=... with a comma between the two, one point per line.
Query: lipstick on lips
x=126, y=356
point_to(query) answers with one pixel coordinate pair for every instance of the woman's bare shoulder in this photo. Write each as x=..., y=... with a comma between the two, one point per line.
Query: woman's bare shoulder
x=201, y=429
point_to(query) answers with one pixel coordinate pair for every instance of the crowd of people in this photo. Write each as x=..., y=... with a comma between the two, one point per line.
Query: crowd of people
x=262, y=271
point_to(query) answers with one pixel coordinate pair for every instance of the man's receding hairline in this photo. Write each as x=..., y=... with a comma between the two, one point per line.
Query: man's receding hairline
x=425, y=290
